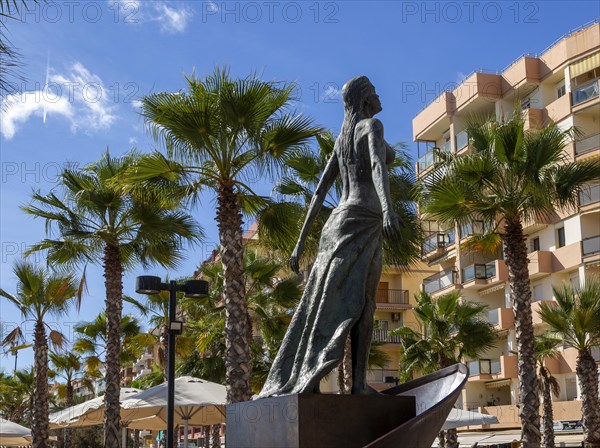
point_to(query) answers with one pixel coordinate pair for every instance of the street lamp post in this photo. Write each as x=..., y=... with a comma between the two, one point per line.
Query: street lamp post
x=147, y=284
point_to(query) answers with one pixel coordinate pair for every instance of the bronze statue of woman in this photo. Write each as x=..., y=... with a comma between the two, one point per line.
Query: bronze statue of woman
x=339, y=298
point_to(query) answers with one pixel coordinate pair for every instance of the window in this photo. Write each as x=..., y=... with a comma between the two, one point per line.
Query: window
x=535, y=244
x=538, y=293
x=560, y=236
x=560, y=88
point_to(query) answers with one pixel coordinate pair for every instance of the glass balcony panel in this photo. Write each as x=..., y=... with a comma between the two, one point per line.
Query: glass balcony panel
x=462, y=140
x=485, y=366
x=589, y=195
x=494, y=316
x=490, y=270
x=585, y=92
x=590, y=245
x=480, y=271
x=495, y=366
x=468, y=273
x=473, y=367
x=587, y=143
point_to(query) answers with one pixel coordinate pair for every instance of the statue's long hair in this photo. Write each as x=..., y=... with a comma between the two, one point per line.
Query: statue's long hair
x=354, y=94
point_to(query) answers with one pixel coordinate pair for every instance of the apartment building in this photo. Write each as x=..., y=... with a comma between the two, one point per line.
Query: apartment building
x=561, y=84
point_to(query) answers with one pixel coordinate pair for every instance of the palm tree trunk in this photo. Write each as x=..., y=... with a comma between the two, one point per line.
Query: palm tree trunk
x=216, y=436
x=442, y=439
x=39, y=428
x=206, y=436
x=113, y=274
x=547, y=405
x=587, y=373
x=520, y=294
x=345, y=369
x=451, y=438
x=69, y=401
x=238, y=360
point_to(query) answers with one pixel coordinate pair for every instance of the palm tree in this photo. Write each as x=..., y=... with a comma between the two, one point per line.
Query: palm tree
x=41, y=294
x=68, y=367
x=224, y=132
x=511, y=177
x=16, y=396
x=156, y=311
x=576, y=320
x=98, y=221
x=450, y=331
x=546, y=348
x=271, y=295
x=92, y=342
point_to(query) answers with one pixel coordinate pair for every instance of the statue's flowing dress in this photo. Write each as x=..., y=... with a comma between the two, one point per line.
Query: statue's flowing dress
x=333, y=301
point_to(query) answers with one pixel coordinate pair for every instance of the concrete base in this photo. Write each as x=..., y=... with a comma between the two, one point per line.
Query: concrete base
x=315, y=420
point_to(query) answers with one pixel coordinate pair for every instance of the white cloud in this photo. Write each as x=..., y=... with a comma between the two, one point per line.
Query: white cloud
x=171, y=17
x=133, y=140
x=78, y=96
x=136, y=104
x=173, y=20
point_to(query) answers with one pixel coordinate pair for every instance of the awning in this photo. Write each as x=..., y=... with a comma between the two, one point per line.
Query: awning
x=498, y=287
x=499, y=383
x=585, y=65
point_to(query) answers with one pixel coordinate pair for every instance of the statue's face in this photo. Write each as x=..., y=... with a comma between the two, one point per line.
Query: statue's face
x=372, y=103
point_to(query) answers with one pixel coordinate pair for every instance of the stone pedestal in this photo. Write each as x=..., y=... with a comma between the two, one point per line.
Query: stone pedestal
x=315, y=420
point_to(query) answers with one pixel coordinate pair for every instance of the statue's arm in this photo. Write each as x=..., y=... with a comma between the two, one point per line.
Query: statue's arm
x=378, y=154
x=327, y=179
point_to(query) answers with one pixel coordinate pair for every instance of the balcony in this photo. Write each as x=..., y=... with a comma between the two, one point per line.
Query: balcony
x=589, y=196
x=501, y=318
x=587, y=144
x=477, y=276
x=472, y=228
x=430, y=158
x=540, y=263
x=566, y=257
x=384, y=336
x=504, y=367
x=437, y=244
x=444, y=280
x=585, y=92
x=498, y=273
x=534, y=118
x=590, y=246
x=392, y=299
x=559, y=109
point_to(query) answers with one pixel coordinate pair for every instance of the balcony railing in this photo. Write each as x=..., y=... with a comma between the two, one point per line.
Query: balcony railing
x=438, y=240
x=429, y=158
x=462, y=140
x=585, y=92
x=479, y=272
x=590, y=246
x=587, y=143
x=484, y=367
x=440, y=280
x=397, y=296
x=472, y=228
x=589, y=195
x=384, y=336
x=494, y=316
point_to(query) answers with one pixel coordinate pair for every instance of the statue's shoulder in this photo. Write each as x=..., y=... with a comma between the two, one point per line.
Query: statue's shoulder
x=370, y=125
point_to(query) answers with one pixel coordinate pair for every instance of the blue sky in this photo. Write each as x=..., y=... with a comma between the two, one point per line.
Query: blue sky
x=97, y=57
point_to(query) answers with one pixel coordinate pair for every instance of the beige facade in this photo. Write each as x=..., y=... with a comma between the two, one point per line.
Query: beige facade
x=563, y=85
